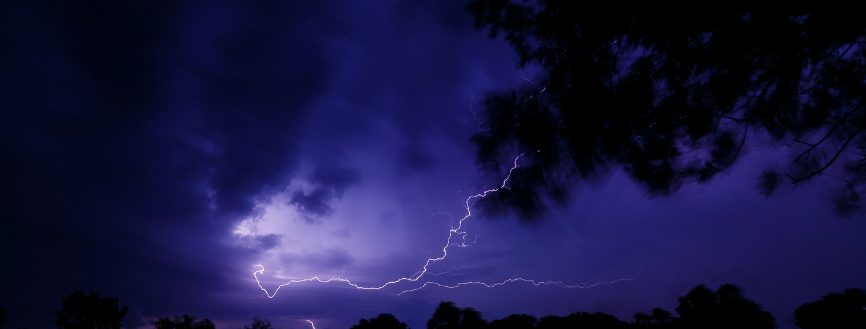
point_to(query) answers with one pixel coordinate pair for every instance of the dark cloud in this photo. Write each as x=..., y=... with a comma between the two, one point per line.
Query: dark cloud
x=136, y=136
x=329, y=182
x=335, y=178
x=261, y=243
x=313, y=204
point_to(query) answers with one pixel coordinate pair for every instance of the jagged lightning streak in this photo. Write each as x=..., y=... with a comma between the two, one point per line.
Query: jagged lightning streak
x=450, y=242
x=311, y=323
x=454, y=231
x=536, y=283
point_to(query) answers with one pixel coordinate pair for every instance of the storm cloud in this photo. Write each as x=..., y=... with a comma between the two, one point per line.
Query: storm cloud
x=137, y=138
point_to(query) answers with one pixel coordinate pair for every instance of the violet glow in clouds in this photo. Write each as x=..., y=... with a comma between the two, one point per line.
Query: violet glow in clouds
x=140, y=139
x=454, y=231
x=457, y=231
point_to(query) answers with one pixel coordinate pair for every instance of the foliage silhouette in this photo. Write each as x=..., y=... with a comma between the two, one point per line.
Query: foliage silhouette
x=840, y=311
x=383, y=321
x=657, y=319
x=89, y=311
x=724, y=308
x=514, y=321
x=448, y=316
x=2, y=318
x=259, y=324
x=184, y=322
x=582, y=320
x=701, y=307
x=671, y=93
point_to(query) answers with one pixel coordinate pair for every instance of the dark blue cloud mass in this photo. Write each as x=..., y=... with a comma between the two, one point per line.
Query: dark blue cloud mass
x=136, y=135
x=138, y=138
x=328, y=184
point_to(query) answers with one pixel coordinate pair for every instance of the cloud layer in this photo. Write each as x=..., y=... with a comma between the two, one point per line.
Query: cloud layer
x=156, y=153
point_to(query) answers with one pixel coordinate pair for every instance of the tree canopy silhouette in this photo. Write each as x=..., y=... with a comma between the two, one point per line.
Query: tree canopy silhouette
x=514, y=321
x=671, y=92
x=701, y=307
x=383, y=321
x=448, y=316
x=657, y=319
x=259, y=324
x=582, y=320
x=840, y=311
x=184, y=322
x=89, y=311
x=724, y=308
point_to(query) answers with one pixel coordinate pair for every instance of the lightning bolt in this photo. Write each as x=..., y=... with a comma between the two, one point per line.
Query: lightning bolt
x=536, y=283
x=311, y=323
x=456, y=238
x=455, y=231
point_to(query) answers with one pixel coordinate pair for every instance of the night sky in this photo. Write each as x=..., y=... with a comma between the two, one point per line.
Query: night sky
x=159, y=152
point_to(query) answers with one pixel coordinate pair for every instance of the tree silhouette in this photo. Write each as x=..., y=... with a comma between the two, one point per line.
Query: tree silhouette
x=582, y=320
x=184, y=322
x=839, y=311
x=449, y=316
x=671, y=92
x=259, y=324
x=552, y=322
x=89, y=311
x=383, y=321
x=724, y=308
x=595, y=320
x=702, y=308
x=471, y=318
x=2, y=318
x=514, y=321
x=658, y=319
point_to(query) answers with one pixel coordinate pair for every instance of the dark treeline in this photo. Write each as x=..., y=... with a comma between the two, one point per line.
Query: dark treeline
x=725, y=308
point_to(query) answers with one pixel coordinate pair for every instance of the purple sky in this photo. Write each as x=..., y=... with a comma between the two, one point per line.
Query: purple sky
x=157, y=153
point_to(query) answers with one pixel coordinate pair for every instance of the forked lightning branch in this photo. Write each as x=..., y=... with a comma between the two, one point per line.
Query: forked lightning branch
x=456, y=237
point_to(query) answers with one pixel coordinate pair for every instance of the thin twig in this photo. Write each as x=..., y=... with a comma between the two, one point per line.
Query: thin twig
x=796, y=180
